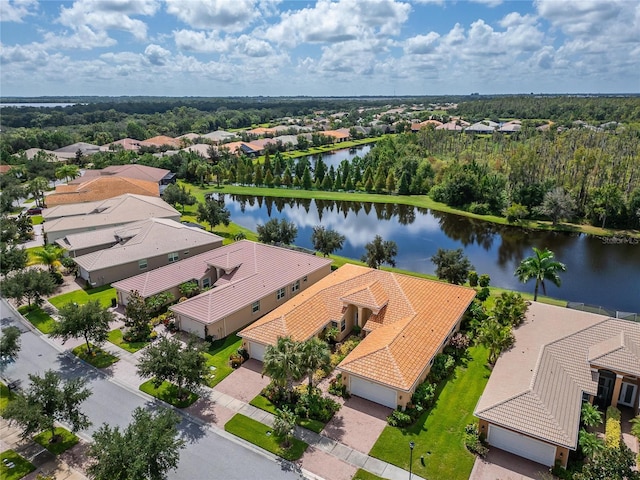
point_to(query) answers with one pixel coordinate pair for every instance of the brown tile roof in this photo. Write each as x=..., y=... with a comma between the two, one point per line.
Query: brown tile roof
x=139, y=172
x=415, y=317
x=250, y=274
x=335, y=134
x=536, y=387
x=161, y=140
x=126, y=143
x=101, y=188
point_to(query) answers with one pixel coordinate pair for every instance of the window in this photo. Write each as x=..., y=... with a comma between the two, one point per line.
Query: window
x=304, y=279
x=142, y=264
x=186, y=252
x=206, y=282
x=255, y=307
x=280, y=293
x=173, y=257
x=343, y=325
x=334, y=324
x=295, y=287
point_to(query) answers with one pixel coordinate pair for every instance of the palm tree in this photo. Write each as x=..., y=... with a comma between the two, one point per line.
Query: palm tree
x=540, y=266
x=50, y=256
x=67, y=172
x=315, y=354
x=282, y=364
x=495, y=337
x=37, y=187
x=590, y=415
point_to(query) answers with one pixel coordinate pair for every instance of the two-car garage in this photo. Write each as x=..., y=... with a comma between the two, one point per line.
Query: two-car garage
x=522, y=445
x=372, y=391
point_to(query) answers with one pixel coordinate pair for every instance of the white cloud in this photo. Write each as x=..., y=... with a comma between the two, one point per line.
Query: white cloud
x=488, y=3
x=587, y=17
x=156, y=55
x=421, y=44
x=16, y=10
x=225, y=15
x=198, y=41
x=84, y=38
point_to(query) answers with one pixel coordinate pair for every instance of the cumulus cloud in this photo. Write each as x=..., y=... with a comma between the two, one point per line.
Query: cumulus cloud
x=198, y=41
x=16, y=10
x=421, y=44
x=156, y=55
x=225, y=15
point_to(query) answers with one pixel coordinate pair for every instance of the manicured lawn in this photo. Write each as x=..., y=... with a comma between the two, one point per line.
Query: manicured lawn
x=308, y=423
x=37, y=219
x=218, y=356
x=21, y=466
x=104, y=294
x=115, y=337
x=439, y=433
x=5, y=397
x=168, y=392
x=38, y=318
x=98, y=358
x=65, y=441
x=261, y=435
x=364, y=475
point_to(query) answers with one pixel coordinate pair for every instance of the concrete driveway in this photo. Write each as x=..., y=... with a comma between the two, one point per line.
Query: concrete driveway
x=358, y=424
x=245, y=383
x=505, y=466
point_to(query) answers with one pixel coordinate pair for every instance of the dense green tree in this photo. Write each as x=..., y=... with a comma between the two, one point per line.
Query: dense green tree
x=12, y=258
x=89, y=321
x=610, y=464
x=557, y=205
x=176, y=194
x=67, y=172
x=277, y=231
x=606, y=203
x=284, y=425
x=541, y=266
x=49, y=400
x=282, y=364
x=495, y=337
x=287, y=181
x=31, y=284
x=306, y=179
x=452, y=265
x=146, y=449
x=36, y=188
x=326, y=241
x=314, y=355
x=137, y=316
x=510, y=309
x=10, y=342
x=213, y=212
x=380, y=251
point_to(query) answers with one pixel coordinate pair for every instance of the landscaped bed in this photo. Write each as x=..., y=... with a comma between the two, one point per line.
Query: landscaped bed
x=308, y=423
x=38, y=318
x=262, y=435
x=64, y=442
x=21, y=467
x=98, y=358
x=104, y=294
x=115, y=337
x=439, y=433
x=168, y=392
x=218, y=357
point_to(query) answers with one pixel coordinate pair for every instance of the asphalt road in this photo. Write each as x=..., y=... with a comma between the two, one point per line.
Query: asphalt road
x=207, y=455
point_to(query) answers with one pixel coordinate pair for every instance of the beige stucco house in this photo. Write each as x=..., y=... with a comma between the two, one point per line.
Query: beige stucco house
x=561, y=358
x=141, y=247
x=249, y=280
x=406, y=321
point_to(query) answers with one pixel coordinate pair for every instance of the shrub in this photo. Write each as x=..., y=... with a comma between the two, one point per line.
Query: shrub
x=57, y=277
x=483, y=294
x=443, y=365
x=337, y=388
x=516, y=212
x=460, y=342
x=356, y=329
x=318, y=407
x=399, y=419
x=243, y=353
x=484, y=280
x=235, y=360
x=473, y=278
x=480, y=208
x=472, y=440
x=424, y=396
x=613, y=429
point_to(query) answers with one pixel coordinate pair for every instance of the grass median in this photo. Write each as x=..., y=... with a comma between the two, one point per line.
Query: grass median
x=103, y=294
x=64, y=441
x=168, y=392
x=38, y=318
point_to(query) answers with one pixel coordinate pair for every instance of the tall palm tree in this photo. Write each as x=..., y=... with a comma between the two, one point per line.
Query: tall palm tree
x=37, y=187
x=50, y=256
x=495, y=337
x=314, y=354
x=282, y=364
x=541, y=266
x=67, y=172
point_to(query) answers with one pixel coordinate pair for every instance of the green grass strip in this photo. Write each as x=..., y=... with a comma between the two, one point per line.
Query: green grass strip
x=64, y=440
x=98, y=358
x=262, y=435
x=104, y=294
x=115, y=337
x=38, y=318
x=218, y=357
x=21, y=466
x=364, y=475
x=168, y=392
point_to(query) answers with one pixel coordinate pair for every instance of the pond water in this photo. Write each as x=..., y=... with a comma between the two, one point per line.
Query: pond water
x=598, y=273
x=337, y=156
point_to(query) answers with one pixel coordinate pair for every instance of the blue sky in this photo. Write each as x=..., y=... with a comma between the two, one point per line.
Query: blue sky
x=342, y=47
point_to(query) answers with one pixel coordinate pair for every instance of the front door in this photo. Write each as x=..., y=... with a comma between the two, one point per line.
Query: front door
x=605, y=389
x=627, y=394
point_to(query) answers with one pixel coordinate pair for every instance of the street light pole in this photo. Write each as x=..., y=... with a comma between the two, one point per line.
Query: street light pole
x=411, y=445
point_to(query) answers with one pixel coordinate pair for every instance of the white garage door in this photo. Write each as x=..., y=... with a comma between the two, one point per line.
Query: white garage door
x=522, y=445
x=373, y=391
x=256, y=350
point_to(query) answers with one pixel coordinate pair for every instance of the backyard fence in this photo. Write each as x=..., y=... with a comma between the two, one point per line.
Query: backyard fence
x=585, y=307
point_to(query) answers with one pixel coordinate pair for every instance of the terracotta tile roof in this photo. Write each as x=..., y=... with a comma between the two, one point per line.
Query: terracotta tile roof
x=101, y=188
x=543, y=398
x=249, y=276
x=415, y=317
x=335, y=134
x=126, y=143
x=161, y=140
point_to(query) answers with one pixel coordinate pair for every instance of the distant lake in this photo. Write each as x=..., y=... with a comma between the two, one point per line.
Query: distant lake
x=599, y=273
x=41, y=105
x=335, y=157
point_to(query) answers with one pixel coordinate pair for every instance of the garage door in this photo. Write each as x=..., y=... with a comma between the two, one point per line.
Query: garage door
x=256, y=350
x=373, y=391
x=522, y=445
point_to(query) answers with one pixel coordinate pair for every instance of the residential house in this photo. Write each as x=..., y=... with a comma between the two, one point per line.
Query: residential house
x=406, y=321
x=161, y=141
x=64, y=220
x=561, y=358
x=139, y=247
x=482, y=127
x=415, y=127
x=100, y=188
x=249, y=280
x=219, y=136
x=338, y=136
x=510, y=127
x=5, y=169
x=160, y=176
x=452, y=126
x=125, y=144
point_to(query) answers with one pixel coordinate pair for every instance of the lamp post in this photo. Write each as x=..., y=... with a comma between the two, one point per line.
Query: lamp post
x=411, y=445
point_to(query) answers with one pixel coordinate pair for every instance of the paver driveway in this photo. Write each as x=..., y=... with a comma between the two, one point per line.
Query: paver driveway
x=245, y=383
x=358, y=424
x=506, y=466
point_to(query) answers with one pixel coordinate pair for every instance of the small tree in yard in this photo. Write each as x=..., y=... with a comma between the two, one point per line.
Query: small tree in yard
x=213, y=212
x=495, y=337
x=284, y=424
x=145, y=450
x=541, y=266
x=31, y=284
x=452, y=265
x=510, y=309
x=48, y=400
x=326, y=241
x=156, y=302
x=10, y=342
x=137, y=317
x=89, y=321
x=277, y=231
x=314, y=355
x=379, y=252
x=189, y=289
x=610, y=464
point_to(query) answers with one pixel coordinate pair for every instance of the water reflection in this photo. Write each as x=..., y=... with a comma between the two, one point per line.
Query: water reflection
x=607, y=275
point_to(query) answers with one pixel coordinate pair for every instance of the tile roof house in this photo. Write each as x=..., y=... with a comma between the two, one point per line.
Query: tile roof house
x=482, y=127
x=219, y=136
x=249, y=279
x=100, y=188
x=139, y=172
x=70, y=150
x=139, y=247
x=406, y=320
x=124, y=143
x=337, y=136
x=561, y=358
x=160, y=141
x=64, y=220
